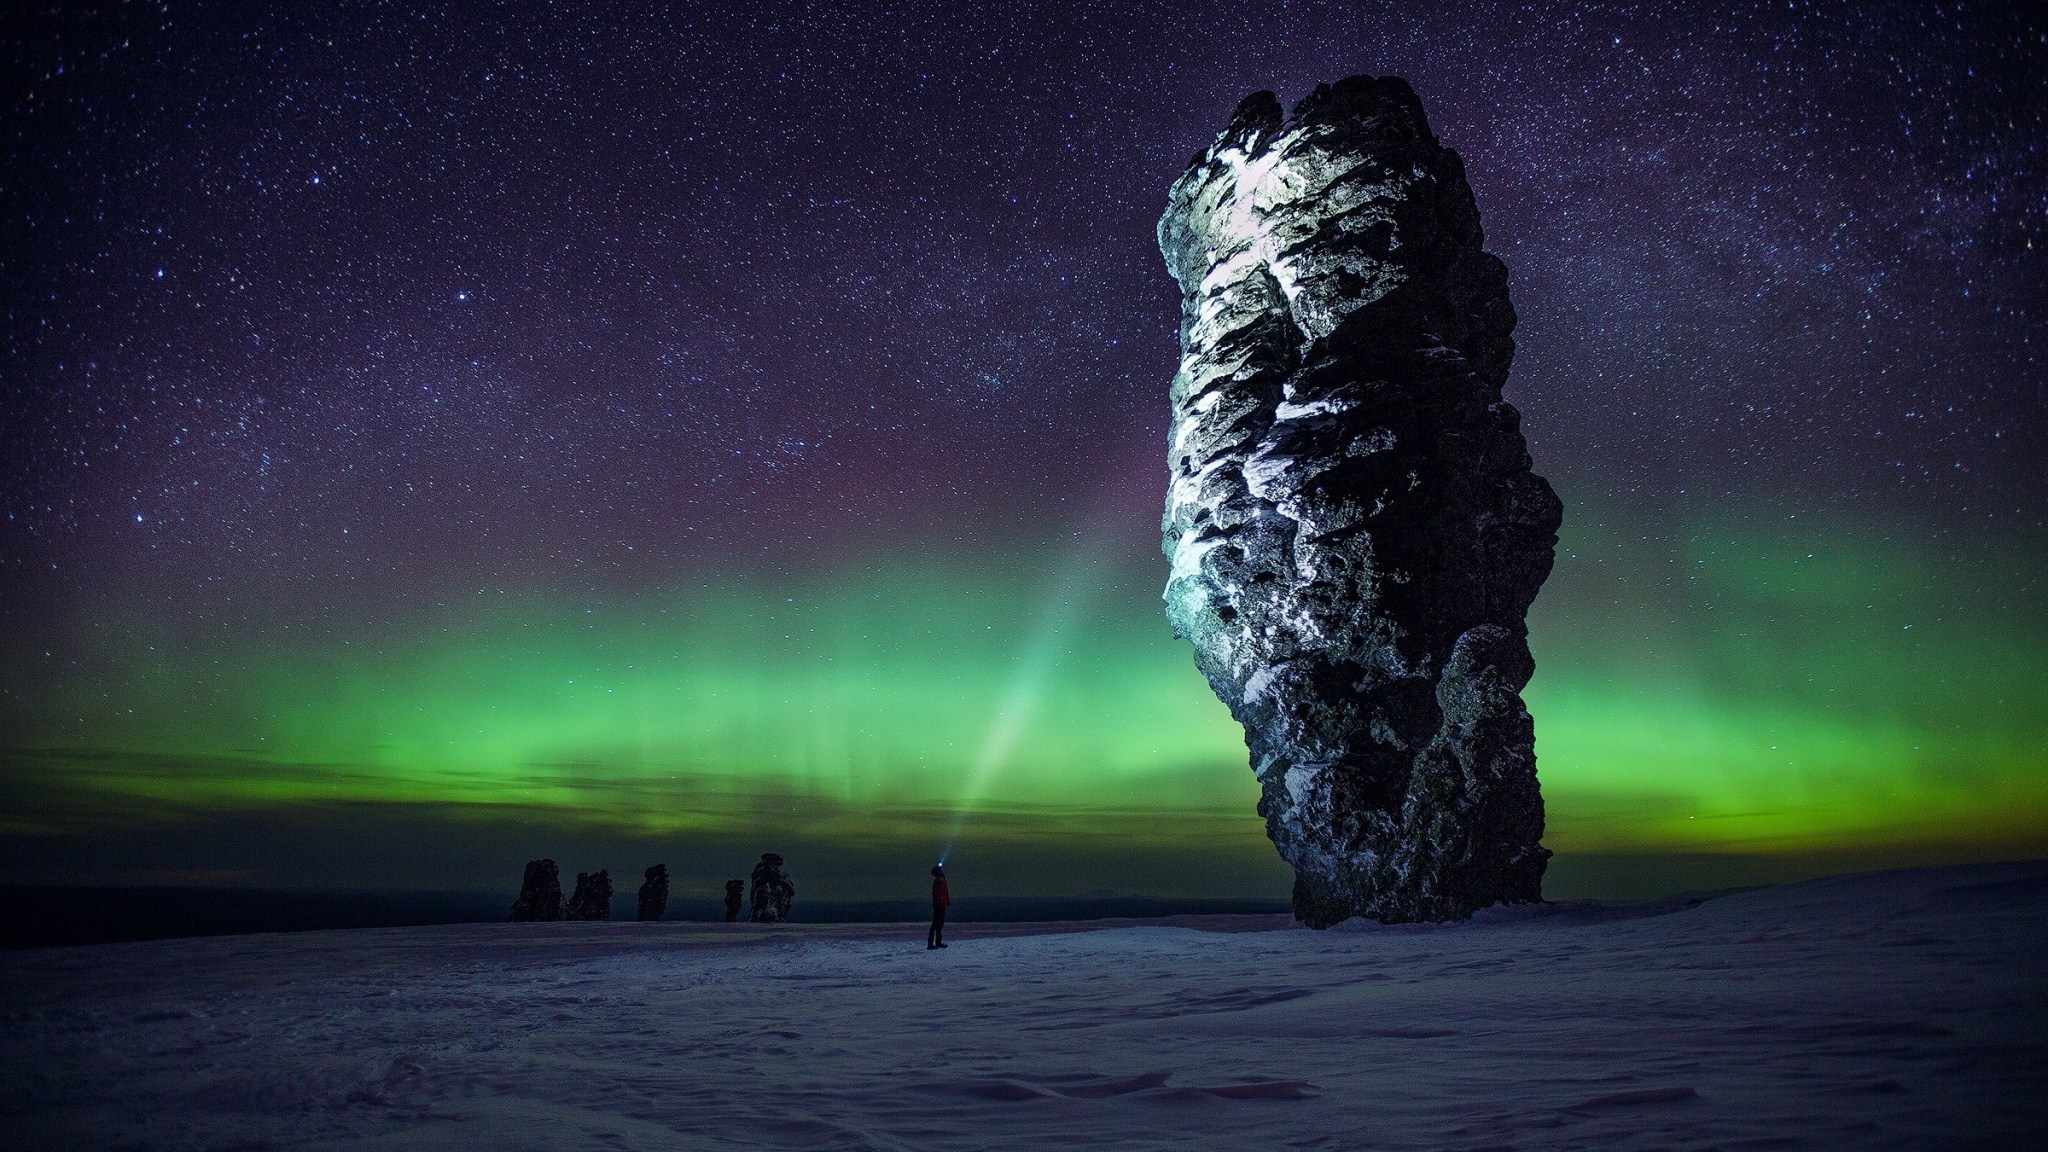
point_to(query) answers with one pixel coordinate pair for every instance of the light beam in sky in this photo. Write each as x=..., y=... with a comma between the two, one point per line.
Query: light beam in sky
x=1067, y=594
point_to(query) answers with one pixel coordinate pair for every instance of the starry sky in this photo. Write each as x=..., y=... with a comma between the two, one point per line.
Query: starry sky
x=437, y=436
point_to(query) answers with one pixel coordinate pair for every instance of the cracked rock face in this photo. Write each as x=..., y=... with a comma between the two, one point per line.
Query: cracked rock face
x=1355, y=531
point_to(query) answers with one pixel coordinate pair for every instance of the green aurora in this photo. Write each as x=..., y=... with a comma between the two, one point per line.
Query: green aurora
x=1726, y=689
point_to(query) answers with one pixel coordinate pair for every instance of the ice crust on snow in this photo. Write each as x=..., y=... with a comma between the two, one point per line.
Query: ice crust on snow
x=1882, y=1011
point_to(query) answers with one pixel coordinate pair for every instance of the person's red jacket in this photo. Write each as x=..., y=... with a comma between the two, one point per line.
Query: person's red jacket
x=941, y=895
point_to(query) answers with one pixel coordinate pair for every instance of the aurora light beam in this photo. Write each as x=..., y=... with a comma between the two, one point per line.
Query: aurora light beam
x=1068, y=595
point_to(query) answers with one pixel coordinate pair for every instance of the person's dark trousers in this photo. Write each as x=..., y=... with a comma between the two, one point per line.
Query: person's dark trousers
x=932, y=939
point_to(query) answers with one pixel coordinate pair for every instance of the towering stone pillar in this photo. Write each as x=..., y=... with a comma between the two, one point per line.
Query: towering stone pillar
x=654, y=893
x=772, y=891
x=592, y=899
x=540, y=893
x=1355, y=531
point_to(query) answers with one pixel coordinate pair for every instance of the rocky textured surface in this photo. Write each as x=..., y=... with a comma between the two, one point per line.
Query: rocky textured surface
x=735, y=892
x=593, y=897
x=772, y=892
x=654, y=893
x=540, y=893
x=1355, y=531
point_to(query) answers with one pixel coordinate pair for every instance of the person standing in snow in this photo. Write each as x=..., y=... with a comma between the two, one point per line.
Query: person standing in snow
x=941, y=897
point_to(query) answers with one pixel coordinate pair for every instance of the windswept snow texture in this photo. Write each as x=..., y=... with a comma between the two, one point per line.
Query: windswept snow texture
x=1887, y=1010
x=1355, y=531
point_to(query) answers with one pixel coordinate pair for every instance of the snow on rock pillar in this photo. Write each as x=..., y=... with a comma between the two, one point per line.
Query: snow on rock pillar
x=1355, y=532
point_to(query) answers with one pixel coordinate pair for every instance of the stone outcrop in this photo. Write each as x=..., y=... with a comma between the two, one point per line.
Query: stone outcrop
x=540, y=893
x=772, y=891
x=592, y=899
x=1355, y=532
x=654, y=893
x=735, y=891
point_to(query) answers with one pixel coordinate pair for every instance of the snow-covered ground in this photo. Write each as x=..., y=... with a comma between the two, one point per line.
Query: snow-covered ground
x=1897, y=1010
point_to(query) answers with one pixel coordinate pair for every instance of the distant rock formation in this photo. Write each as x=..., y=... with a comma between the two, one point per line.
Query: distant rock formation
x=772, y=892
x=654, y=893
x=735, y=891
x=593, y=897
x=1355, y=531
x=540, y=893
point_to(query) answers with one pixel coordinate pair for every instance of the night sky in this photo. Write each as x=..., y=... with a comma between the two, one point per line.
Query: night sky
x=434, y=437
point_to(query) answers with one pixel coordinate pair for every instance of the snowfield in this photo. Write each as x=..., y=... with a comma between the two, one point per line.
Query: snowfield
x=1887, y=1010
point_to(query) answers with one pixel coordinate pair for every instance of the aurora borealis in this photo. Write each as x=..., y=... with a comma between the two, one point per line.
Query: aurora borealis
x=873, y=706
x=435, y=439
